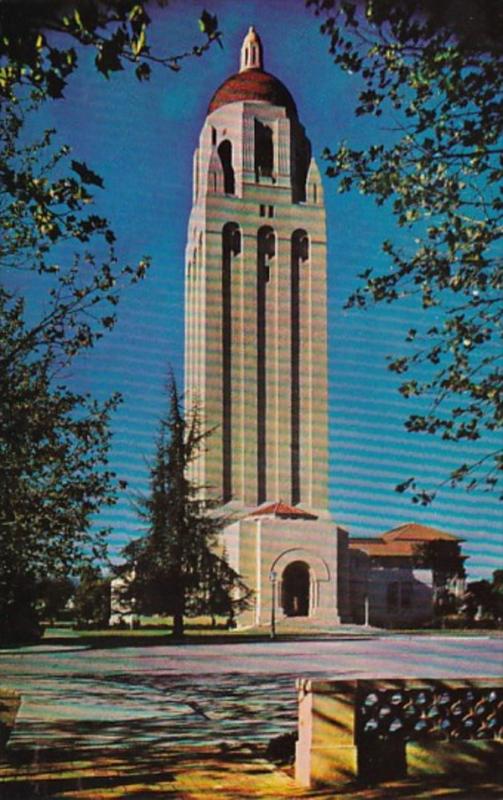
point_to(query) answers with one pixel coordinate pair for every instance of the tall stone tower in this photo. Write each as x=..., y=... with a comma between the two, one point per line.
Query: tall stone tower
x=256, y=328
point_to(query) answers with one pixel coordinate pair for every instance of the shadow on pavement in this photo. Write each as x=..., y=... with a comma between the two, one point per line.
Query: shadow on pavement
x=137, y=759
x=119, y=759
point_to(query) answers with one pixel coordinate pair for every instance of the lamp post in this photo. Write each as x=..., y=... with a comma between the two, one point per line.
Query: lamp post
x=272, y=577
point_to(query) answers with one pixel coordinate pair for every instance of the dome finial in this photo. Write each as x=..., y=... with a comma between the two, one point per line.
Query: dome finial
x=251, y=51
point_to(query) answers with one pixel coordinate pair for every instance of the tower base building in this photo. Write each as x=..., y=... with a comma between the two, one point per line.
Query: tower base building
x=295, y=563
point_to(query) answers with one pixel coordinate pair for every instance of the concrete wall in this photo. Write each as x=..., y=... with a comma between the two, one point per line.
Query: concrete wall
x=334, y=748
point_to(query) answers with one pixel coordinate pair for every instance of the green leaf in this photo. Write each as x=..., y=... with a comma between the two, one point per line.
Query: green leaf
x=208, y=24
x=87, y=175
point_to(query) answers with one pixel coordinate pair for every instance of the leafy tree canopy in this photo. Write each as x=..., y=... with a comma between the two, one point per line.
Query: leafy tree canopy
x=46, y=222
x=53, y=474
x=443, y=557
x=436, y=71
x=39, y=38
x=54, y=442
x=485, y=596
x=91, y=602
x=53, y=596
x=221, y=590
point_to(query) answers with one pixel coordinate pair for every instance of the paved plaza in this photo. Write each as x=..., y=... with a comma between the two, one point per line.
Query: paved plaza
x=189, y=721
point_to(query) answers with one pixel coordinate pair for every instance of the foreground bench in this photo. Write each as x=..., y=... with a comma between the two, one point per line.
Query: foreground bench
x=379, y=730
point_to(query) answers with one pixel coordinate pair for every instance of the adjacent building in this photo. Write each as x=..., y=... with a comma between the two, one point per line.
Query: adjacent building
x=387, y=586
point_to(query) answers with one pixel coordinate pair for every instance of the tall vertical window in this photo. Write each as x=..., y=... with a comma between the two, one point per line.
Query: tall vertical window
x=266, y=250
x=264, y=150
x=225, y=153
x=299, y=255
x=231, y=247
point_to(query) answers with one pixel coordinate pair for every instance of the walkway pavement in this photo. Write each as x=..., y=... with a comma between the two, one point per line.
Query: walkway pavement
x=193, y=722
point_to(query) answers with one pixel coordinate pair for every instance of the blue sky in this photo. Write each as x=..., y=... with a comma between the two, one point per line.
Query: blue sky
x=140, y=138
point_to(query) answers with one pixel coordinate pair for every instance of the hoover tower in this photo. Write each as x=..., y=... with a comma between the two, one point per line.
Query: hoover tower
x=256, y=334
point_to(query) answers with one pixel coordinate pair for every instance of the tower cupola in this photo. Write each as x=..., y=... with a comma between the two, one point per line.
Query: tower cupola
x=252, y=55
x=252, y=82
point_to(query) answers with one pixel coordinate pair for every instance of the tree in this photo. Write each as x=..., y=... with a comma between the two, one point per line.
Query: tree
x=39, y=39
x=485, y=597
x=53, y=595
x=53, y=476
x=437, y=72
x=174, y=565
x=221, y=591
x=41, y=213
x=91, y=603
x=497, y=591
x=446, y=562
x=54, y=441
x=43, y=210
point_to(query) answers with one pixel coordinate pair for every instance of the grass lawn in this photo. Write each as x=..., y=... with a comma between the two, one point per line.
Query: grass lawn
x=149, y=634
x=200, y=630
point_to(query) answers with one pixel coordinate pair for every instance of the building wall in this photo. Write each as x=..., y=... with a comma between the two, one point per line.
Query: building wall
x=358, y=579
x=397, y=596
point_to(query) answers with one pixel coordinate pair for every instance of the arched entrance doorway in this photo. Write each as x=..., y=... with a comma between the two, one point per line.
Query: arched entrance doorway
x=295, y=589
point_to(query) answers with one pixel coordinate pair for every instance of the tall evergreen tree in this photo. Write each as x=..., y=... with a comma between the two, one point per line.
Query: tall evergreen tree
x=222, y=591
x=172, y=565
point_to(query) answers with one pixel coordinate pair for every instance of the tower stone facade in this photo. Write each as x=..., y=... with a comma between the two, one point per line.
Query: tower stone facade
x=256, y=337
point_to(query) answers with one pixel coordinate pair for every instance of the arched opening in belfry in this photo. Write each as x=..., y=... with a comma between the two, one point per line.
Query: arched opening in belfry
x=266, y=250
x=301, y=158
x=231, y=247
x=264, y=150
x=225, y=153
x=299, y=255
x=295, y=589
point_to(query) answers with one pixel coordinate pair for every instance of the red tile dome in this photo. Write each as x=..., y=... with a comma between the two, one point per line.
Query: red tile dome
x=253, y=84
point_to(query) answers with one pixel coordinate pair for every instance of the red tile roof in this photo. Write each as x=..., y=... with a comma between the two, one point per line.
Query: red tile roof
x=400, y=541
x=413, y=531
x=253, y=84
x=282, y=510
x=385, y=549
